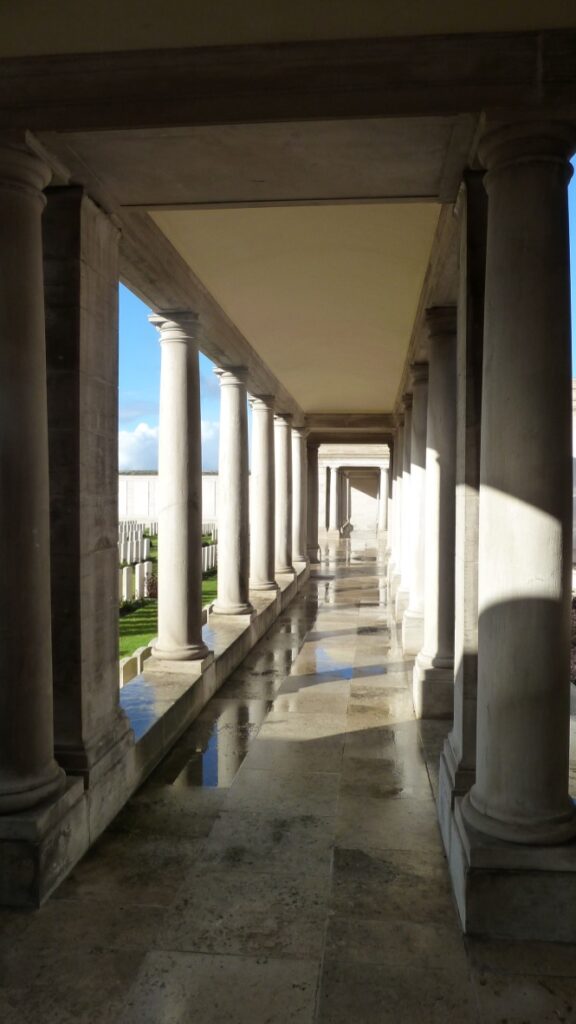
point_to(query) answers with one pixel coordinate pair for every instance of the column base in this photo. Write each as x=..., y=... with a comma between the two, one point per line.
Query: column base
x=508, y=891
x=263, y=585
x=191, y=652
x=313, y=556
x=401, y=602
x=412, y=632
x=160, y=665
x=394, y=579
x=433, y=687
x=453, y=782
x=285, y=570
x=20, y=794
x=93, y=760
x=547, y=833
x=40, y=846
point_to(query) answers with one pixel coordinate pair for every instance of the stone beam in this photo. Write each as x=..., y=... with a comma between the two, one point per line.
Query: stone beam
x=527, y=72
x=350, y=422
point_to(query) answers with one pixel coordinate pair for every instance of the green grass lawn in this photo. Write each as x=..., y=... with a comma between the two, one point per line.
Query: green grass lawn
x=139, y=627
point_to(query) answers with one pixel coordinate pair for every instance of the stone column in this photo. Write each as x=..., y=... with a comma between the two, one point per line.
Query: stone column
x=391, y=485
x=433, y=688
x=383, y=502
x=262, y=495
x=179, y=491
x=233, y=496
x=28, y=772
x=458, y=761
x=406, y=540
x=333, y=525
x=313, y=510
x=525, y=545
x=80, y=245
x=299, y=496
x=413, y=621
x=394, y=564
x=283, y=454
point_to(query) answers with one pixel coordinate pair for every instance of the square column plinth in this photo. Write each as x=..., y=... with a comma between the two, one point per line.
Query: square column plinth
x=510, y=891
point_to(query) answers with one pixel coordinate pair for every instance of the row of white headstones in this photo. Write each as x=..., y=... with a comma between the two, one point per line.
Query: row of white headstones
x=134, y=549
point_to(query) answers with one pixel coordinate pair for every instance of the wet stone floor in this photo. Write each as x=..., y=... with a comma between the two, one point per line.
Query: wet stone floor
x=283, y=864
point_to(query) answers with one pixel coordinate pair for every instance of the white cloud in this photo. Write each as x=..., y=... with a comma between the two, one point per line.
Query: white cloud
x=138, y=448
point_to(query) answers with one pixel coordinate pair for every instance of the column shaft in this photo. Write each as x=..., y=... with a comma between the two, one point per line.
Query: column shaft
x=81, y=299
x=233, y=496
x=180, y=491
x=299, y=496
x=313, y=509
x=406, y=539
x=413, y=621
x=28, y=772
x=334, y=503
x=394, y=565
x=433, y=689
x=262, y=495
x=521, y=788
x=383, y=495
x=283, y=451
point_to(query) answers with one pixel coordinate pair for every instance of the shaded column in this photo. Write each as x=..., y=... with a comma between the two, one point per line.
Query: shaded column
x=413, y=621
x=179, y=491
x=391, y=473
x=299, y=495
x=28, y=772
x=233, y=495
x=333, y=525
x=525, y=516
x=433, y=684
x=81, y=299
x=262, y=495
x=458, y=761
x=283, y=455
x=313, y=499
x=403, y=592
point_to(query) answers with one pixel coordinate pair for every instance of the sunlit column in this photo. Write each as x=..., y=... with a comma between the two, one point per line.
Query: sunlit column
x=413, y=620
x=179, y=491
x=283, y=457
x=394, y=565
x=262, y=497
x=333, y=525
x=525, y=518
x=299, y=495
x=433, y=688
x=28, y=771
x=383, y=501
x=313, y=509
x=403, y=592
x=233, y=495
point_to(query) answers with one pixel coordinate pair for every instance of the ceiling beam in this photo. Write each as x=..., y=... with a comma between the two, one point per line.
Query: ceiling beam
x=503, y=73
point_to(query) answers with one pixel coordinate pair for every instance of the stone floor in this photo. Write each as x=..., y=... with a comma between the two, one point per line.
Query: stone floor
x=283, y=864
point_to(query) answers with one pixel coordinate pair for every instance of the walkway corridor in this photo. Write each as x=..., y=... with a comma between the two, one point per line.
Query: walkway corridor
x=283, y=864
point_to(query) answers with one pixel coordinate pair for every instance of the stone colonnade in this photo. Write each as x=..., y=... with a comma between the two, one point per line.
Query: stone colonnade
x=481, y=488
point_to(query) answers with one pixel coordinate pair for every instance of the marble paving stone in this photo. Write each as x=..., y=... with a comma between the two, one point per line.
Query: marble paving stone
x=509, y=957
x=272, y=842
x=358, y=993
x=379, y=742
x=132, y=869
x=177, y=810
x=289, y=724
x=291, y=755
x=399, y=885
x=396, y=943
x=314, y=793
x=383, y=777
x=387, y=823
x=65, y=987
x=178, y=988
x=230, y=910
x=524, y=999
x=89, y=925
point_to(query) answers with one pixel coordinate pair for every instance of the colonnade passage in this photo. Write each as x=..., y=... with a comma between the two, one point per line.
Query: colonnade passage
x=283, y=862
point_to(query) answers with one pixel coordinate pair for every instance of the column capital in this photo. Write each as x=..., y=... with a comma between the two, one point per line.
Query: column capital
x=178, y=325
x=21, y=170
x=406, y=401
x=528, y=142
x=283, y=417
x=263, y=402
x=441, y=321
x=313, y=445
x=231, y=376
x=301, y=432
x=418, y=374
x=399, y=420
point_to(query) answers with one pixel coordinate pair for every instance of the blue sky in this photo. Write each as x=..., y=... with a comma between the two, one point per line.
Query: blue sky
x=140, y=378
